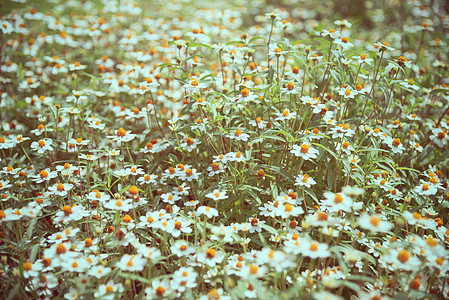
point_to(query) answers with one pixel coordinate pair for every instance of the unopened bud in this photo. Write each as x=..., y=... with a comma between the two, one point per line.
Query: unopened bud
x=304, y=225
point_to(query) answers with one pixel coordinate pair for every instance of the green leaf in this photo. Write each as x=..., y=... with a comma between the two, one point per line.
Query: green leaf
x=13, y=292
x=312, y=194
x=125, y=189
x=443, y=156
x=233, y=43
x=441, y=90
x=134, y=277
x=269, y=229
x=34, y=252
x=270, y=74
x=281, y=171
x=265, y=137
x=191, y=57
x=326, y=149
x=252, y=40
x=21, y=104
x=191, y=45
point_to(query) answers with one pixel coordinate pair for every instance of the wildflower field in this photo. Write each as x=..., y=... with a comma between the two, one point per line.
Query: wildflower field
x=224, y=149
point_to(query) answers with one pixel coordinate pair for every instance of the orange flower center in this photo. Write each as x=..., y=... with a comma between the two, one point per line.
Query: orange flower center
x=60, y=187
x=121, y=132
x=27, y=266
x=178, y=225
x=313, y=246
x=61, y=249
x=305, y=148
x=396, y=142
x=67, y=210
x=133, y=190
x=338, y=198
x=403, y=256
x=210, y=253
x=375, y=221
x=238, y=132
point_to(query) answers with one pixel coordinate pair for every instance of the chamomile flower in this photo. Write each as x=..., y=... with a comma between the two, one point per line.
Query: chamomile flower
x=305, y=151
x=439, y=137
x=131, y=263
x=374, y=223
x=178, y=226
x=210, y=257
x=110, y=290
x=285, y=115
x=44, y=175
x=395, y=145
x=119, y=204
x=304, y=180
x=42, y=146
x=337, y=201
x=189, y=174
x=147, y=179
x=314, y=249
x=208, y=211
x=215, y=168
x=60, y=189
x=99, y=271
x=76, y=66
x=159, y=288
x=122, y=136
x=344, y=43
x=190, y=144
x=259, y=123
x=363, y=58
x=193, y=86
x=217, y=195
x=235, y=157
x=40, y=130
x=184, y=278
x=238, y=135
x=88, y=157
x=426, y=189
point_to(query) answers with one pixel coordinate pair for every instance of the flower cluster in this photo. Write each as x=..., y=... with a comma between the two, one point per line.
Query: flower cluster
x=161, y=153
